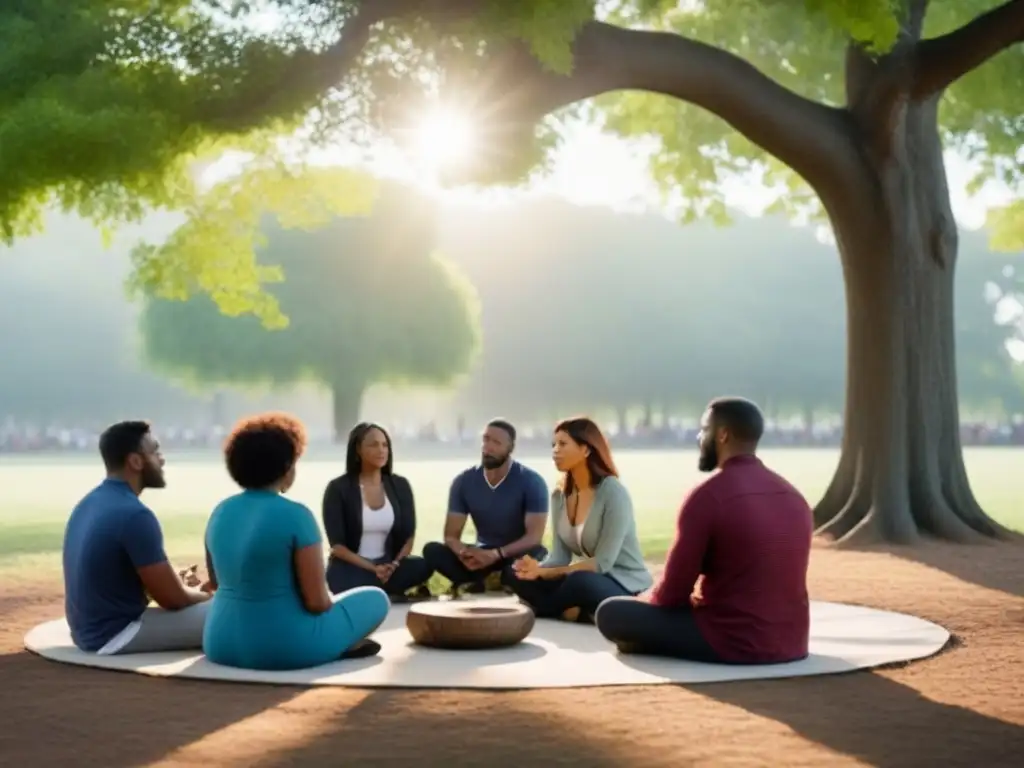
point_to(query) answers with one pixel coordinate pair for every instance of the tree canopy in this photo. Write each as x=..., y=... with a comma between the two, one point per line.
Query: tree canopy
x=843, y=107
x=368, y=302
x=107, y=106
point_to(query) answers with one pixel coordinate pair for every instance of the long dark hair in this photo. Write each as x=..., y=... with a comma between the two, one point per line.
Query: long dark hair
x=353, y=464
x=584, y=431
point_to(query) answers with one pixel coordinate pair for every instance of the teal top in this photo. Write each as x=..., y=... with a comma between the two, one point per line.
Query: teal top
x=608, y=536
x=257, y=619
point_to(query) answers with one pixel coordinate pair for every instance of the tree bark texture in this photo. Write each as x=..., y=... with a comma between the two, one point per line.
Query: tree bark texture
x=901, y=472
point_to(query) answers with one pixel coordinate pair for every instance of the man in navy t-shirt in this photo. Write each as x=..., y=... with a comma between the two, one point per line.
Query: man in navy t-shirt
x=114, y=558
x=508, y=504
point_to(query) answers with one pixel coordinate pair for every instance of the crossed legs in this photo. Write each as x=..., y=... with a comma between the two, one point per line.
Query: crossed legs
x=636, y=626
x=574, y=597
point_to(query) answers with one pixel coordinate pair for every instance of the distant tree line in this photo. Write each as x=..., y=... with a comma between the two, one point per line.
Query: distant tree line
x=577, y=308
x=587, y=310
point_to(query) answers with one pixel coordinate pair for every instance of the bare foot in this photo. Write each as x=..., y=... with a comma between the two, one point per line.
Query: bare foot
x=571, y=614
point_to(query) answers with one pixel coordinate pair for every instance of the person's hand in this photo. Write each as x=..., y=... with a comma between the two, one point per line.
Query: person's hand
x=470, y=557
x=384, y=571
x=208, y=587
x=526, y=568
x=476, y=558
x=190, y=576
x=697, y=596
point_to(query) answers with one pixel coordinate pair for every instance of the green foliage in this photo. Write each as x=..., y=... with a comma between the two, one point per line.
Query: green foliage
x=107, y=105
x=214, y=252
x=547, y=26
x=1007, y=227
x=367, y=299
x=801, y=44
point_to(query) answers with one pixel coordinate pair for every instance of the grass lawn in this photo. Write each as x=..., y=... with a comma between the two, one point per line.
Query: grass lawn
x=39, y=493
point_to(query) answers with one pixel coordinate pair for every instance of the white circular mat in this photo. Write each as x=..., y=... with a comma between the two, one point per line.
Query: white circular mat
x=556, y=655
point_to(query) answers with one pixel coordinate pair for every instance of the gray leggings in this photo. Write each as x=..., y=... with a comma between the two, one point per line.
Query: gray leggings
x=163, y=630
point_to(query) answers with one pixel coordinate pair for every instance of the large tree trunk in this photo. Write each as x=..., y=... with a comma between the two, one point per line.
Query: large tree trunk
x=347, y=403
x=901, y=472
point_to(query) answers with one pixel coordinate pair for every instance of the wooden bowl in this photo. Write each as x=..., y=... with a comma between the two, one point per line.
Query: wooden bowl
x=466, y=626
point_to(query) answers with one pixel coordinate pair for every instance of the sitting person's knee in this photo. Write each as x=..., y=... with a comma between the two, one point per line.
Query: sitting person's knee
x=420, y=568
x=433, y=550
x=580, y=579
x=368, y=605
x=612, y=614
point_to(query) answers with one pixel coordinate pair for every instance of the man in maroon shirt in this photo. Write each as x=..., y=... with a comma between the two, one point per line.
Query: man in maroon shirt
x=745, y=535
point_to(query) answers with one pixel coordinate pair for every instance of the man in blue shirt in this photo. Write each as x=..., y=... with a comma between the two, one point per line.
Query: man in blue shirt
x=114, y=558
x=508, y=504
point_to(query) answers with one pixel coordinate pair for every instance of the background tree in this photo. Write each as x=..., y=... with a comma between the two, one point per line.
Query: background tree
x=367, y=301
x=585, y=308
x=837, y=104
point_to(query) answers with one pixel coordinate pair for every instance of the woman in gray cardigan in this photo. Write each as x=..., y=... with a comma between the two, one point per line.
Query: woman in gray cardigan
x=595, y=551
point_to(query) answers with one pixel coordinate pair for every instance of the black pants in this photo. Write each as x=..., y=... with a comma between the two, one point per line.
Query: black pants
x=411, y=572
x=639, y=627
x=440, y=558
x=549, y=598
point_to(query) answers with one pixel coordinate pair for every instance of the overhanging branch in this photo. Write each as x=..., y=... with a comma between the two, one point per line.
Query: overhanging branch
x=941, y=61
x=806, y=135
x=307, y=75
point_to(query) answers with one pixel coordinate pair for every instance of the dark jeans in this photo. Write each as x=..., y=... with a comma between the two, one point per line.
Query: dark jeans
x=549, y=598
x=440, y=558
x=639, y=627
x=411, y=572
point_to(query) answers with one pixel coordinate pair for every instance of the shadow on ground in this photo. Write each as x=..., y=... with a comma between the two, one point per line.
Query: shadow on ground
x=465, y=729
x=878, y=721
x=998, y=565
x=72, y=716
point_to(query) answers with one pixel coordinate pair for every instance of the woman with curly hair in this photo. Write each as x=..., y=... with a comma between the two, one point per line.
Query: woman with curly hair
x=369, y=515
x=271, y=608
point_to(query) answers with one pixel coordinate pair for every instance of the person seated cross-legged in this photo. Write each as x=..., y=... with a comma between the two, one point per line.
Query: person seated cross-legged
x=369, y=515
x=508, y=504
x=271, y=608
x=592, y=517
x=745, y=535
x=114, y=559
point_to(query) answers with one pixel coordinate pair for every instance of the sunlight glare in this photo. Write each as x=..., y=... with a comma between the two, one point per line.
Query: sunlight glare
x=444, y=139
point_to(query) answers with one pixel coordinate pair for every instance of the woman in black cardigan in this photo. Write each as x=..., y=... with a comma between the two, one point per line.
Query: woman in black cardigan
x=369, y=515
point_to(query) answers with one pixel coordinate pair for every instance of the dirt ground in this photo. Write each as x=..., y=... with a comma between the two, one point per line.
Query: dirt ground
x=962, y=707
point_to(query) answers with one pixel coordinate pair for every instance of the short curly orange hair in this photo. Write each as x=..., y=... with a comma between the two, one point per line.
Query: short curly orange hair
x=261, y=449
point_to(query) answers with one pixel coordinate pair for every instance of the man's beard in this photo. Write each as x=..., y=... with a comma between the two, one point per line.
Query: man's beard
x=153, y=477
x=708, y=461
x=492, y=462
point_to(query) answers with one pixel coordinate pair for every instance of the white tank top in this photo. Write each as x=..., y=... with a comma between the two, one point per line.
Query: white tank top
x=377, y=524
x=571, y=535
